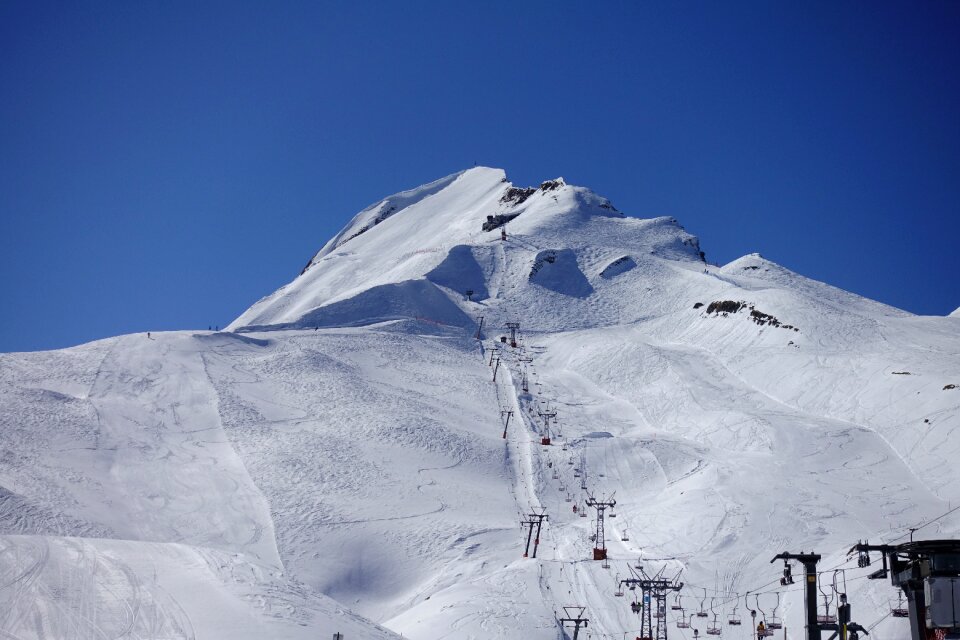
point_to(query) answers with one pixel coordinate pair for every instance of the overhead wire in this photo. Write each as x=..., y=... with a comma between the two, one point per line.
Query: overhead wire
x=912, y=530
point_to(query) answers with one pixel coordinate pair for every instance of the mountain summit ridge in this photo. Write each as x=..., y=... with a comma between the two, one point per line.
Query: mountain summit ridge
x=408, y=235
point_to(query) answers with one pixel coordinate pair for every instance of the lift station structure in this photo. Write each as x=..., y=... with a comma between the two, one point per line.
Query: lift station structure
x=928, y=573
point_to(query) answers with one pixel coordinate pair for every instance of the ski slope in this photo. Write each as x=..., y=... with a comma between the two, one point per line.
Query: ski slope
x=335, y=460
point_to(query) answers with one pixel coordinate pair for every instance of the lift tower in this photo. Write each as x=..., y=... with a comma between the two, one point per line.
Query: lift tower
x=547, y=416
x=534, y=520
x=513, y=327
x=654, y=589
x=843, y=628
x=928, y=572
x=574, y=615
x=600, y=542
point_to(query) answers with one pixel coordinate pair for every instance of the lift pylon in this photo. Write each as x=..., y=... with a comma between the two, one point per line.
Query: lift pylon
x=574, y=616
x=534, y=521
x=600, y=542
x=513, y=327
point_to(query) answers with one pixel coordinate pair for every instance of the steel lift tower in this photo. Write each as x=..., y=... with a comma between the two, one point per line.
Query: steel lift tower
x=513, y=327
x=654, y=589
x=547, y=417
x=600, y=542
x=843, y=628
x=574, y=616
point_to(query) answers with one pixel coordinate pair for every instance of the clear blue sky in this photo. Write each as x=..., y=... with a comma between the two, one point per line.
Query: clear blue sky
x=165, y=164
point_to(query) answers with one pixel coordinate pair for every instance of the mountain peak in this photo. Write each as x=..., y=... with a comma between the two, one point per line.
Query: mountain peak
x=416, y=253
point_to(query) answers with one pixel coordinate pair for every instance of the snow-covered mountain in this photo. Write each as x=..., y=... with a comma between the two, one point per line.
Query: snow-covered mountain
x=335, y=460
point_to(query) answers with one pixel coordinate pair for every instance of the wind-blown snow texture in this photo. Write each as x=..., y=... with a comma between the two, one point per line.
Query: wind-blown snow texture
x=335, y=460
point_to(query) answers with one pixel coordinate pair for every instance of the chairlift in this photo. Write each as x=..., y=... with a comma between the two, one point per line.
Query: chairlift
x=569, y=498
x=702, y=613
x=562, y=488
x=766, y=631
x=734, y=620
x=583, y=485
x=625, y=537
x=899, y=610
x=619, y=592
x=775, y=622
x=583, y=512
x=714, y=628
x=826, y=617
x=556, y=476
x=612, y=515
x=683, y=622
x=676, y=606
x=636, y=607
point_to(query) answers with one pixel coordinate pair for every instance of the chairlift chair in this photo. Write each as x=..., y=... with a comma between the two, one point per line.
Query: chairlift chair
x=826, y=617
x=625, y=537
x=676, y=604
x=775, y=622
x=734, y=619
x=766, y=631
x=683, y=622
x=899, y=610
x=714, y=628
x=702, y=613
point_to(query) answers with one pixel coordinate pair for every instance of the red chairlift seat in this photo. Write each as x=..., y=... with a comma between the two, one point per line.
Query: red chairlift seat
x=545, y=441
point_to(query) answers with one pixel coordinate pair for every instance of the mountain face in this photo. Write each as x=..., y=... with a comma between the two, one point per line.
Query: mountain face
x=356, y=452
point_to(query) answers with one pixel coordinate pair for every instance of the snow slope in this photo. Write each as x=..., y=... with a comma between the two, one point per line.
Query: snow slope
x=339, y=452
